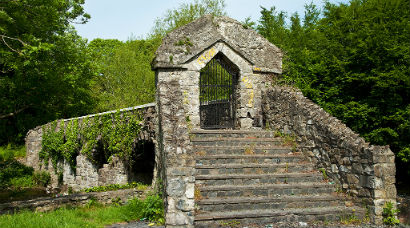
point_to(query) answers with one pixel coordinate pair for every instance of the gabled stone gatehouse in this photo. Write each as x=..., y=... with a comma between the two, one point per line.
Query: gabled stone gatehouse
x=214, y=74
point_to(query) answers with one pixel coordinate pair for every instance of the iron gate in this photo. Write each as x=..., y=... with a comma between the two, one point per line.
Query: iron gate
x=217, y=96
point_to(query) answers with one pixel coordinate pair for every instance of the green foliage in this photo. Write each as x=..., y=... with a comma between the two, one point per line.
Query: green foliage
x=52, y=140
x=232, y=224
x=116, y=201
x=13, y=172
x=24, y=181
x=353, y=60
x=93, y=202
x=324, y=175
x=123, y=72
x=390, y=215
x=279, y=134
x=152, y=208
x=113, y=134
x=48, y=72
x=350, y=219
x=94, y=215
x=248, y=24
x=113, y=187
x=10, y=152
x=185, y=13
x=44, y=68
x=41, y=178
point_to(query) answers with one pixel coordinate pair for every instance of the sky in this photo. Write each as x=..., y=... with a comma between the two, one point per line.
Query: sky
x=125, y=19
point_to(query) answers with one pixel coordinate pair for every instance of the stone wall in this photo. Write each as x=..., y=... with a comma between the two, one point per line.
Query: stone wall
x=360, y=169
x=174, y=146
x=87, y=174
x=51, y=203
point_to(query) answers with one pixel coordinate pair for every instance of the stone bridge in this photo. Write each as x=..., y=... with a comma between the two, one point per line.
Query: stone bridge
x=231, y=145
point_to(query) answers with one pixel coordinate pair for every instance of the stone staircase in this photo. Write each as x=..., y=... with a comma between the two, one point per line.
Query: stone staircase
x=253, y=178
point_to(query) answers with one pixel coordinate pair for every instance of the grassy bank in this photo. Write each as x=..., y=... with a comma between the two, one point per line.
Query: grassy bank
x=92, y=215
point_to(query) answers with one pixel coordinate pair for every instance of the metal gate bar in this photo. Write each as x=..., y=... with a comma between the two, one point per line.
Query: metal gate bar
x=217, y=99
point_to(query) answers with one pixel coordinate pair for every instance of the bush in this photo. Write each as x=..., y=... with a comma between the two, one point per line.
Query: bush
x=41, y=178
x=390, y=215
x=152, y=208
x=13, y=172
x=10, y=152
x=22, y=182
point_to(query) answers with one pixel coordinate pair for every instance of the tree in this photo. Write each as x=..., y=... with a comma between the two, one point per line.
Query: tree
x=185, y=13
x=124, y=75
x=272, y=26
x=354, y=61
x=44, y=69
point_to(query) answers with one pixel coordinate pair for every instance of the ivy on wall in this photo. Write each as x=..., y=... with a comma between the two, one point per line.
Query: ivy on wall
x=99, y=138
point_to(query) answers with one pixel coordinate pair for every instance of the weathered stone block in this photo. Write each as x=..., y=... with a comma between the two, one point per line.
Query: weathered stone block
x=185, y=205
x=352, y=179
x=190, y=189
x=177, y=218
x=176, y=187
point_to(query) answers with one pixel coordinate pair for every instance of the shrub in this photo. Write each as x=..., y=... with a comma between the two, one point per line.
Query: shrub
x=11, y=171
x=22, y=182
x=152, y=208
x=10, y=152
x=390, y=215
x=41, y=178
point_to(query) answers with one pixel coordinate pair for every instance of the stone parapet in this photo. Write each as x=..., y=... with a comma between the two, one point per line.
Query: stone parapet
x=360, y=169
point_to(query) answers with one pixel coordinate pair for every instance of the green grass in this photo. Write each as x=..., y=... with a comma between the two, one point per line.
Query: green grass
x=92, y=215
x=12, y=151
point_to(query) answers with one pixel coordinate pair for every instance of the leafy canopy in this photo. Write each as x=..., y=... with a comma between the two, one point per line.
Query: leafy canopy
x=44, y=68
x=185, y=13
x=123, y=69
x=353, y=60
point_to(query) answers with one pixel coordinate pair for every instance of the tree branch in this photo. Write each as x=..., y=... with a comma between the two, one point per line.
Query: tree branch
x=13, y=113
x=11, y=38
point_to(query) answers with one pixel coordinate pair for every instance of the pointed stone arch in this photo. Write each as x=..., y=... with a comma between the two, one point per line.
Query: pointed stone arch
x=217, y=93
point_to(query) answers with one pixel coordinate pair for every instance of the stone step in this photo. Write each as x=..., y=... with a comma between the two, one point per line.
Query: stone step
x=229, y=141
x=266, y=190
x=260, y=203
x=247, y=150
x=253, y=168
x=260, y=218
x=233, y=133
x=246, y=159
x=251, y=179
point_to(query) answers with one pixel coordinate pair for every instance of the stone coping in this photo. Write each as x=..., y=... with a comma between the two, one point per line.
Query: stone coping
x=114, y=111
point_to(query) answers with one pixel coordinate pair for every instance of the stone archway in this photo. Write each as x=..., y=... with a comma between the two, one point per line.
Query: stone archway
x=217, y=85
